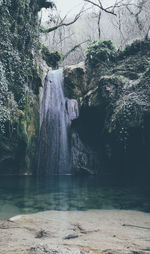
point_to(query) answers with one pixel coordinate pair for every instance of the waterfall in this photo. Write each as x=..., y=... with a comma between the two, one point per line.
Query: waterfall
x=56, y=115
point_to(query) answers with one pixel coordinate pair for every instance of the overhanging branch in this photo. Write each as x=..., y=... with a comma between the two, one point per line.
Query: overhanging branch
x=100, y=6
x=62, y=23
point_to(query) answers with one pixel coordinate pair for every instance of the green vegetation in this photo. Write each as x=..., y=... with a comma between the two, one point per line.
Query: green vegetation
x=136, y=47
x=100, y=51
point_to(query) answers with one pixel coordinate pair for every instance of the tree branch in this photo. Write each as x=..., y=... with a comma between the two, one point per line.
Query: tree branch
x=118, y=3
x=74, y=48
x=100, y=6
x=62, y=23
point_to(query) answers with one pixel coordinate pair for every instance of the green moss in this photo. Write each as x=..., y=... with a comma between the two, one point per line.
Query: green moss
x=19, y=83
x=29, y=129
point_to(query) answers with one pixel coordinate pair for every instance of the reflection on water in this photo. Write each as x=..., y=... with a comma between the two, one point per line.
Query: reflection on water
x=26, y=194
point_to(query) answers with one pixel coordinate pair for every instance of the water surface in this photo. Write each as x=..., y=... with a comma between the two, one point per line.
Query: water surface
x=26, y=194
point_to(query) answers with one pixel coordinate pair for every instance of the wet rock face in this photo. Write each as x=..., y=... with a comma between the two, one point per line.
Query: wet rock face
x=115, y=109
x=84, y=159
x=19, y=84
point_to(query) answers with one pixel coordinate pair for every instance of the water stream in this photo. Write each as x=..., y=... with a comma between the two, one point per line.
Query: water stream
x=56, y=115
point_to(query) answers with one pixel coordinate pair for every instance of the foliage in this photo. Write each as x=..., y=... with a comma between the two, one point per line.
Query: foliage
x=137, y=46
x=52, y=58
x=100, y=51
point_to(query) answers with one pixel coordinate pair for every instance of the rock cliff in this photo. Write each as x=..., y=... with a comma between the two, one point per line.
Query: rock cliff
x=114, y=95
x=19, y=84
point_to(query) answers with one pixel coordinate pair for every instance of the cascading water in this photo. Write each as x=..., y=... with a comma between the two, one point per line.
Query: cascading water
x=56, y=115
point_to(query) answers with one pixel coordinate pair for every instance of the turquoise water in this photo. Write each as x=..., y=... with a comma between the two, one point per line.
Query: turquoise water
x=22, y=195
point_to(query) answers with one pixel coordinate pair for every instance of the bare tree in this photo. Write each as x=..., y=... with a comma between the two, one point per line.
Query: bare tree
x=133, y=21
x=122, y=27
x=140, y=14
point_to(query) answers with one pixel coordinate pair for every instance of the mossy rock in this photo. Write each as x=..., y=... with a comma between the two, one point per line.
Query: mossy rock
x=19, y=78
x=122, y=90
x=75, y=81
x=52, y=58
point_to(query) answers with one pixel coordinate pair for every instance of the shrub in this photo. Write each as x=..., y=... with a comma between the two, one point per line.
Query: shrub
x=135, y=47
x=100, y=51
